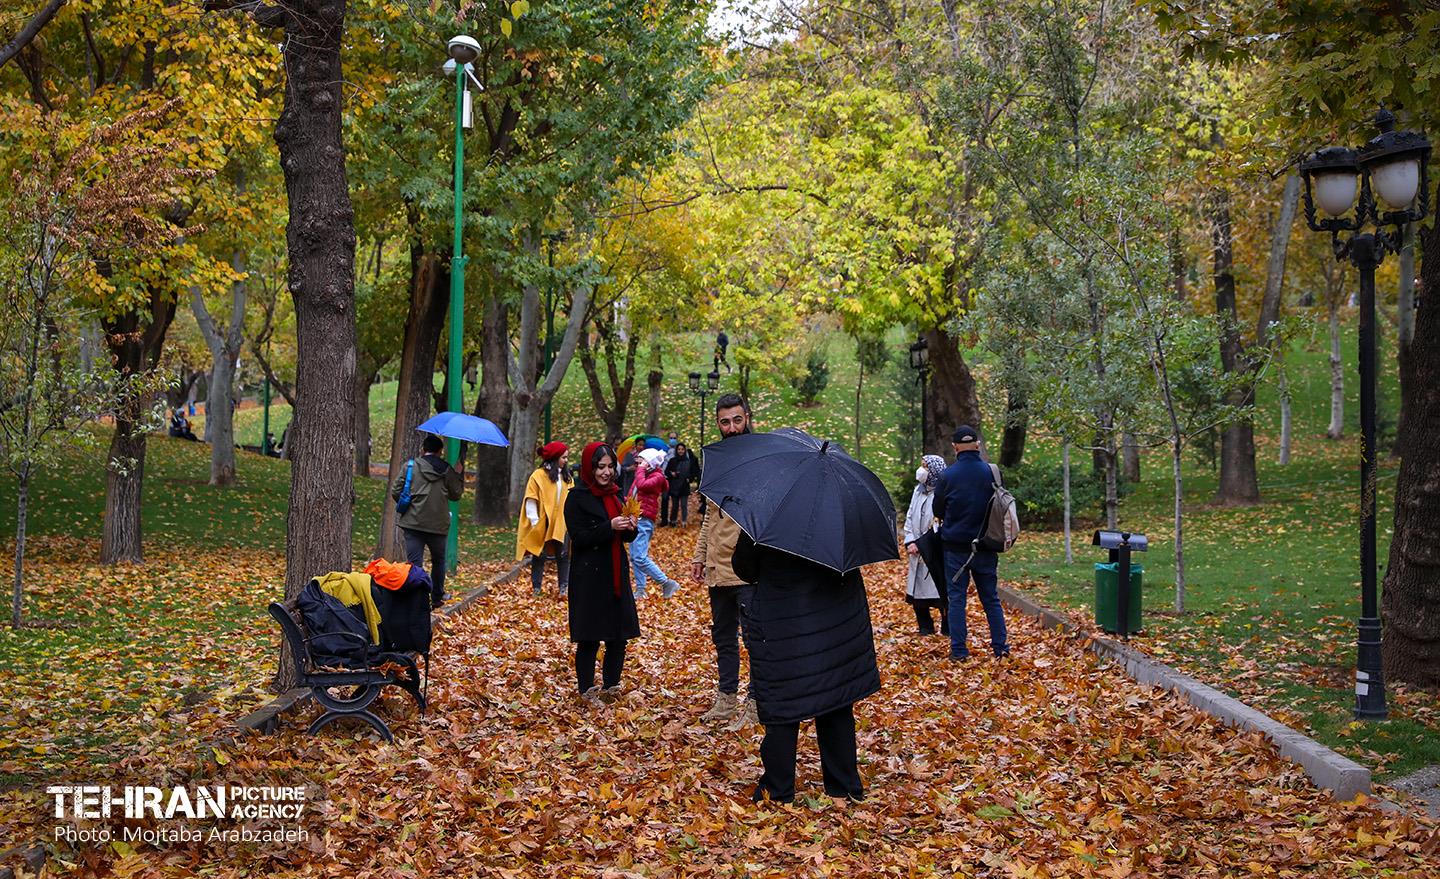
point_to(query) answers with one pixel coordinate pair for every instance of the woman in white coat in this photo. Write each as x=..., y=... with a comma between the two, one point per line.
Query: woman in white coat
x=920, y=590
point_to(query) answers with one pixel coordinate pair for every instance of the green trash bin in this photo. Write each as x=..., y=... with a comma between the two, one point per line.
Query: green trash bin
x=1107, y=596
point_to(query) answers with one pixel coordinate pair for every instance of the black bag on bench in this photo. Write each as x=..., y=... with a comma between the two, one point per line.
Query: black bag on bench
x=332, y=627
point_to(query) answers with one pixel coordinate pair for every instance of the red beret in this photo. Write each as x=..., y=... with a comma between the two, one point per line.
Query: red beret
x=551, y=451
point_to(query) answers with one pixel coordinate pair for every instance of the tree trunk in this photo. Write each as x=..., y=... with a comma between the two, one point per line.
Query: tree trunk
x=320, y=242
x=951, y=391
x=1239, y=484
x=364, y=379
x=1405, y=320
x=22, y=511
x=859, y=389
x=492, y=463
x=1286, y=425
x=224, y=348
x=613, y=416
x=1112, y=483
x=1177, y=446
x=1017, y=425
x=530, y=398
x=1069, y=552
x=135, y=344
x=1337, y=371
x=1410, y=600
x=1130, y=455
x=424, y=323
x=653, y=383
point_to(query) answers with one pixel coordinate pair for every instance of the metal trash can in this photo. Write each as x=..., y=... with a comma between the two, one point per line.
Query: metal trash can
x=1118, y=610
x=1107, y=596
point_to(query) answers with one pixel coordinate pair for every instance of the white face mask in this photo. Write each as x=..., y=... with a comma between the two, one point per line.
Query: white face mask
x=921, y=474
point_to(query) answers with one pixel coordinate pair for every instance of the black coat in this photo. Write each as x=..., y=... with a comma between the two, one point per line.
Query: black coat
x=807, y=629
x=596, y=614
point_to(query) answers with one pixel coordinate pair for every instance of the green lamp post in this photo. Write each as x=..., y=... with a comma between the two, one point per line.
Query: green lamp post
x=463, y=50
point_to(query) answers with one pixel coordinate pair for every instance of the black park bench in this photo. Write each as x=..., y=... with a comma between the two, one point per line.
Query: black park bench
x=346, y=693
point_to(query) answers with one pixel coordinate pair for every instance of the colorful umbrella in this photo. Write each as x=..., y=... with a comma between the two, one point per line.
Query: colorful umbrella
x=639, y=442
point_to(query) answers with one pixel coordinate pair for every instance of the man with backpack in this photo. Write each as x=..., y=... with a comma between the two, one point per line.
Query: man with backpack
x=963, y=502
x=422, y=492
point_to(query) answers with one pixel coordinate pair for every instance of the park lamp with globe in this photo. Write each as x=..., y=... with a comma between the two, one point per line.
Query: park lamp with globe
x=1390, y=176
x=463, y=51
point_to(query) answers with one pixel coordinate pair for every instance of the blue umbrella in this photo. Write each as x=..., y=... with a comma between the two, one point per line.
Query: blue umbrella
x=470, y=428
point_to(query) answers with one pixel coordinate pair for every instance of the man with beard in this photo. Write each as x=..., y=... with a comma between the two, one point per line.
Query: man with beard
x=729, y=594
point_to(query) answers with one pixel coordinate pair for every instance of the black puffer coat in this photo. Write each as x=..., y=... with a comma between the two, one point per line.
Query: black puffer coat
x=807, y=629
x=596, y=613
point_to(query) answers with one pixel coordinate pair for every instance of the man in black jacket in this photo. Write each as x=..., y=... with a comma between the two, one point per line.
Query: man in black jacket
x=812, y=654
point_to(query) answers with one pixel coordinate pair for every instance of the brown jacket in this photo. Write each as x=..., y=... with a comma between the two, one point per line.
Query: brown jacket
x=716, y=547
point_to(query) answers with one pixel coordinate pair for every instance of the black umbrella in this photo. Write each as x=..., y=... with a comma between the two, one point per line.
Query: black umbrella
x=793, y=492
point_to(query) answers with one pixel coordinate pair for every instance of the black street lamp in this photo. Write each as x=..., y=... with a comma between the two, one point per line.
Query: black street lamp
x=551, y=238
x=1394, y=164
x=920, y=362
x=711, y=385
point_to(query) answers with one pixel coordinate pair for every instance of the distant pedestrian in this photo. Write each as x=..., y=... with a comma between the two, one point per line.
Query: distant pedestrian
x=650, y=484
x=540, y=532
x=180, y=427
x=920, y=589
x=680, y=472
x=962, y=500
x=722, y=342
x=601, y=605
x=432, y=483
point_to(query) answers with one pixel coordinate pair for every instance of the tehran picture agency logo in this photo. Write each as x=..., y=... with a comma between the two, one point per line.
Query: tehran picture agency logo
x=218, y=803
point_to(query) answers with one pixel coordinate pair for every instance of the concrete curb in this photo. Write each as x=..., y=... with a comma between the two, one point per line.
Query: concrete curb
x=1340, y=775
x=266, y=719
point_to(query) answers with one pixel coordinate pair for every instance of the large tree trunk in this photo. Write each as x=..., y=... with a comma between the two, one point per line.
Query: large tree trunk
x=1017, y=425
x=429, y=300
x=1239, y=484
x=492, y=463
x=1410, y=601
x=951, y=391
x=320, y=241
x=1405, y=320
x=224, y=348
x=135, y=344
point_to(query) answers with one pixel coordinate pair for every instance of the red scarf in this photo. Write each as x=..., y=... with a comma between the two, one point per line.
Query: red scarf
x=610, y=497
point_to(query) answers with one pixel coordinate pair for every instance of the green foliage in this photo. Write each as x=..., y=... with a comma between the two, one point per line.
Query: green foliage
x=1039, y=489
x=813, y=377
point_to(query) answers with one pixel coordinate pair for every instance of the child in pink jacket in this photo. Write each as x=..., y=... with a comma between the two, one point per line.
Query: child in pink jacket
x=650, y=483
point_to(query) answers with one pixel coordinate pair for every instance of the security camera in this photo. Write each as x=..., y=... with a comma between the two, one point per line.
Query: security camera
x=463, y=49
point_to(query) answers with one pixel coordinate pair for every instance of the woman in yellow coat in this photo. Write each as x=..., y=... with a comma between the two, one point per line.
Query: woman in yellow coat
x=541, y=532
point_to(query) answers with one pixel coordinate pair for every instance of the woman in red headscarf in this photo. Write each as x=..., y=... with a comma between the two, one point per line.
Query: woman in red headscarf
x=601, y=605
x=540, y=533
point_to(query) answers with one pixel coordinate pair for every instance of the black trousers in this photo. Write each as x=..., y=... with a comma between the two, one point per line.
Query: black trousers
x=415, y=544
x=674, y=509
x=613, y=664
x=561, y=553
x=835, y=733
x=725, y=622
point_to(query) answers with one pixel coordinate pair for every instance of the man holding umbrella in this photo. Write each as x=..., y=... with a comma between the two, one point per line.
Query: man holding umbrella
x=432, y=484
x=811, y=516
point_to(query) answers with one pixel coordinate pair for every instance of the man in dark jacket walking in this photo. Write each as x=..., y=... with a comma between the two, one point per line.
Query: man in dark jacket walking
x=812, y=654
x=426, y=522
x=962, y=500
